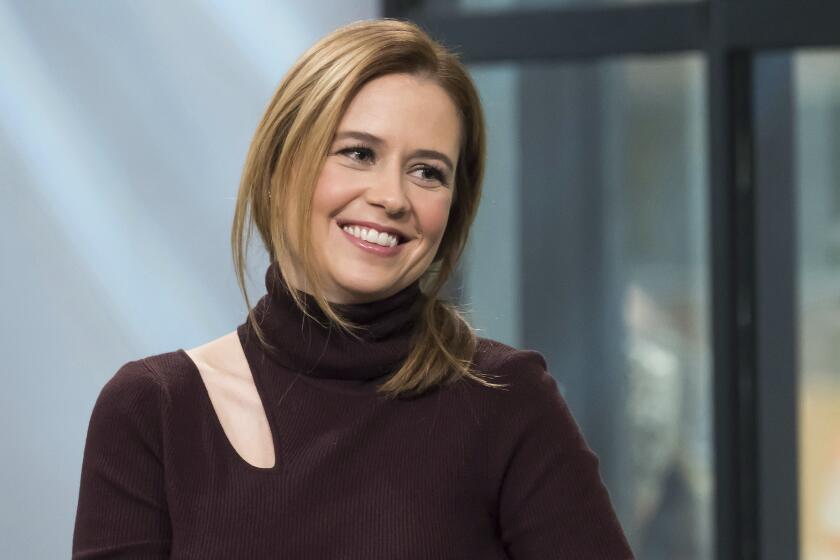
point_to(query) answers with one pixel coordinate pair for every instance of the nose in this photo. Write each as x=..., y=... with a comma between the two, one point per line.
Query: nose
x=386, y=190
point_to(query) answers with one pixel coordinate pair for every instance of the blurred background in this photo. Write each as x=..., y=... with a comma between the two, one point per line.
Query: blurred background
x=661, y=220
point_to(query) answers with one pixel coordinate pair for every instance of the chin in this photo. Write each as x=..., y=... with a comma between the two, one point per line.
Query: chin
x=364, y=287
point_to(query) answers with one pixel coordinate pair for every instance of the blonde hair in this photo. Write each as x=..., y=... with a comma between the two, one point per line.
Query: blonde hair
x=287, y=154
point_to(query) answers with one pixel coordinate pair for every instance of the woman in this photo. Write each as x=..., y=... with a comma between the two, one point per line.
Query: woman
x=353, y=414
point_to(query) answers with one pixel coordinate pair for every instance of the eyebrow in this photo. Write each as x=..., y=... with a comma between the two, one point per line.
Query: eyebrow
x=376, y=140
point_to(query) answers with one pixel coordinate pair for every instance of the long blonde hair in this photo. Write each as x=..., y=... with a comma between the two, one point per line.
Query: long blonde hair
x=287, y=154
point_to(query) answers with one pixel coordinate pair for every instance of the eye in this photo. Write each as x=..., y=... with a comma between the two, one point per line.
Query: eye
x=432, y=173
x=364, y=153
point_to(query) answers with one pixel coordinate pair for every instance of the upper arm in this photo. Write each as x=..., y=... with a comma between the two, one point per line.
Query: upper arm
x=552, y=500
x=122, y=510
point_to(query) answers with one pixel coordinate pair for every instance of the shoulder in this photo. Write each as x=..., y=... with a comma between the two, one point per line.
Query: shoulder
x=140, y=398
x=524, y=371
x=221, y=357
x=494, y=355
x=169, y=378
x=133, y=382
x=127, y=408
x=531, y=407
x=530, y=394
x=146, y=381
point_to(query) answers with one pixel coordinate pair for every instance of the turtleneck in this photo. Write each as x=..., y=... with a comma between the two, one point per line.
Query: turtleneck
x=462, y=472
x=309, y=347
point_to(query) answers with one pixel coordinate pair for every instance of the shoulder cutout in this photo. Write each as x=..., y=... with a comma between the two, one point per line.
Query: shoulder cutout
x=225, y=372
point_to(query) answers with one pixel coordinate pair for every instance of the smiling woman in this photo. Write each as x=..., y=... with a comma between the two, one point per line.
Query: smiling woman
x=380, y=127
x=351, y=414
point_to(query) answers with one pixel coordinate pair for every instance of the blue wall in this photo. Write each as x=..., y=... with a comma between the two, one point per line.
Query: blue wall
x=123, y=130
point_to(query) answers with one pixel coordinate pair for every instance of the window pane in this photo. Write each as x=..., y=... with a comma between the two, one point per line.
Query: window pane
x=817, y=118
x=590, y=246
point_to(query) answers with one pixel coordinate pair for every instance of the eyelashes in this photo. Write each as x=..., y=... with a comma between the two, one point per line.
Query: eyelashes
x=360, y=149
x=437, y=174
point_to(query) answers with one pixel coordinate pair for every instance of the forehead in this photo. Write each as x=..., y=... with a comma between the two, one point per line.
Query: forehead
x=406, y=111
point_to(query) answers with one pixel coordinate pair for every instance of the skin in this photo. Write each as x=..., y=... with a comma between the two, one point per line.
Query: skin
x=387, y=182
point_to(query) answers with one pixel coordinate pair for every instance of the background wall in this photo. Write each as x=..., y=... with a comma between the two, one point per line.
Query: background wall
x=123, y=130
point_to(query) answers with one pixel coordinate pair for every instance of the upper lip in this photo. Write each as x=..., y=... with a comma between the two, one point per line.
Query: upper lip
x=401, y=236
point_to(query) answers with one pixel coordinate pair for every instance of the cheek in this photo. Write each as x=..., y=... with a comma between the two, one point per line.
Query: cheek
x=433, y=214
x=333, y=191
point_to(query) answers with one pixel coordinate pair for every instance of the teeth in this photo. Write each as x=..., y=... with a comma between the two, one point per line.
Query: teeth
x=371, y=235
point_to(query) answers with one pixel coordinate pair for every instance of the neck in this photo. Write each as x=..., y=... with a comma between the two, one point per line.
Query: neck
x=323, y=350
x=335, y=296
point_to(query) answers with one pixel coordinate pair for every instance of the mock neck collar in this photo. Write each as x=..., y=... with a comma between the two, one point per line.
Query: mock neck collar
x=326, y=352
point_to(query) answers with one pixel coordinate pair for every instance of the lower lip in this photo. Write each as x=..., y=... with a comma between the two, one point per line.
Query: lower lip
x=373, y=247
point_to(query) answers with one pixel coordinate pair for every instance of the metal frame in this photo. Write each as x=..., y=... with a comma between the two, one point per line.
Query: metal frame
x=570, y=33
x=776, y=302
x=751, y=225
x=607, y=30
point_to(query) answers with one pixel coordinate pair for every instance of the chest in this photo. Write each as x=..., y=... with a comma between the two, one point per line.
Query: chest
x=354, y=478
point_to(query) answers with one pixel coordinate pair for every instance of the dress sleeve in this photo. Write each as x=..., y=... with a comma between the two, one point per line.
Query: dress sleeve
x=552, y=503
x=122, y=511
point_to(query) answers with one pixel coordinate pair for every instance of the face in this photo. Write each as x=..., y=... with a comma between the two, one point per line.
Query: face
x=381, y=203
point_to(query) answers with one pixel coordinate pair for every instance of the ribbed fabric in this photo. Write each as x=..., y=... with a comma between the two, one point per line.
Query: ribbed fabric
x=464, y=472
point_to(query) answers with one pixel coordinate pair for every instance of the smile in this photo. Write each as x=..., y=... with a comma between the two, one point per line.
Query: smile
x=371, y=235
x=372, y=241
